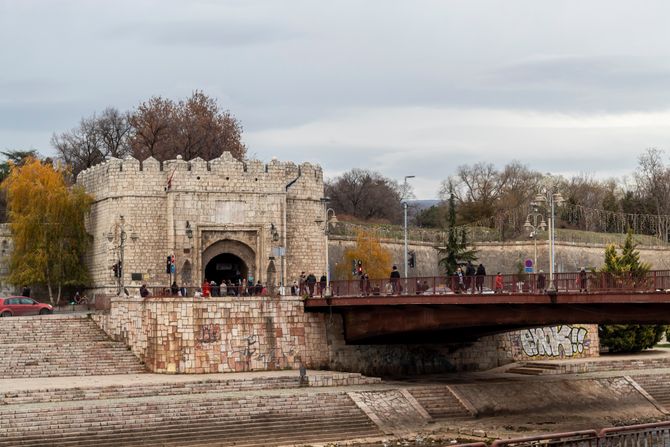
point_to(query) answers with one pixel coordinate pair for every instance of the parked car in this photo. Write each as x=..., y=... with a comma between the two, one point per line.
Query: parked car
x=20, y=305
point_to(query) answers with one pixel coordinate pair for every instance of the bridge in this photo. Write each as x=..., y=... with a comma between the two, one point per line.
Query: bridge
x=440, y=309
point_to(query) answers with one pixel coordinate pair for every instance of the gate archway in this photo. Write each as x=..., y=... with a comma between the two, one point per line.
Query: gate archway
x=228, y=259
x=226, y=266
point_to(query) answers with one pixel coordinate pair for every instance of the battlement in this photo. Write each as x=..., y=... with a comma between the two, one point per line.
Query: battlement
x=116, y=177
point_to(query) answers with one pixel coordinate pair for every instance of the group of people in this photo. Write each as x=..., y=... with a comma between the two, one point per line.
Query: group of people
x=472, y=279
x=243, y=287
x=306, y=285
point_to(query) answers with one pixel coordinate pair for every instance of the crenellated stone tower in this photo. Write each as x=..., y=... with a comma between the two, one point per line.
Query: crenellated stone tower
x=220, y=219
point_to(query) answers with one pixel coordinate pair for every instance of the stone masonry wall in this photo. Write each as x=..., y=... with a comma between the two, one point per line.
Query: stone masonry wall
x=503, y=256
x=183, y=335
x=426, y=255
x=261, y=206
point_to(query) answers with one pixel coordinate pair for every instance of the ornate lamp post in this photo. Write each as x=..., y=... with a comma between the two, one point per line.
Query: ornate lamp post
x=533, y=227
x=329, y=218
x=553, y=198
x=120, y=228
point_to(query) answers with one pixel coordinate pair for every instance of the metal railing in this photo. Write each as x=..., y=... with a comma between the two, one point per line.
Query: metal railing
x=531, y=283
x=572, y=282
x=643, y=435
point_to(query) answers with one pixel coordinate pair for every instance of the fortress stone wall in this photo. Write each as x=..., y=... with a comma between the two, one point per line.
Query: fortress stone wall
x=187, y=335
x=503, y=256
x=215, y=217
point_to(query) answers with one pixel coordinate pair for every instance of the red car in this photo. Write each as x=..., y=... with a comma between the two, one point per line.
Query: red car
x=20, y=305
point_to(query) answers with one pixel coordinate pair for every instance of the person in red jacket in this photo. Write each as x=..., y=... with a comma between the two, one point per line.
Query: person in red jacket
x=499, y=283
x=206, y=289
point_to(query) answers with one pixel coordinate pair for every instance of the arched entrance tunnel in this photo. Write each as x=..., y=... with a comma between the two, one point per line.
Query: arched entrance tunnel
x=226, y=266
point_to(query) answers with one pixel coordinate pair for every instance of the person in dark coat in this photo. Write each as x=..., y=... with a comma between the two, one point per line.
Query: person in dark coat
x=311, y=282
x=479, y=280
x=582, y=280
x=26, y=291
x=469, y=277
x=395, y=280
x=322, y=284
x=541, y=282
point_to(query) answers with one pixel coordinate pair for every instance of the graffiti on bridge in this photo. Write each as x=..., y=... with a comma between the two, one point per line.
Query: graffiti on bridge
x=554, y=341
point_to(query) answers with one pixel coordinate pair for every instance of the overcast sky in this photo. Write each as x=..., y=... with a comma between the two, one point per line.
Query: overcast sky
x=401, y=87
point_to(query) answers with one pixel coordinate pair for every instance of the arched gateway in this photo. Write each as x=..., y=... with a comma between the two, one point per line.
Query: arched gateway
x=229, y=259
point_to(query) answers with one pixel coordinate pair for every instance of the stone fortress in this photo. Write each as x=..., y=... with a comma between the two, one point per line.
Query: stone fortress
x=226, y=219
x=219, y=219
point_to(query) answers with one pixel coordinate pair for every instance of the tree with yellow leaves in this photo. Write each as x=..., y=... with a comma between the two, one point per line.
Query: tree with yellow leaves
x=47, y=224
x=375, y=259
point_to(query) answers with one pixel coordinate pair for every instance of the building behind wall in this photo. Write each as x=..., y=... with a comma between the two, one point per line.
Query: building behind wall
x=220, y=219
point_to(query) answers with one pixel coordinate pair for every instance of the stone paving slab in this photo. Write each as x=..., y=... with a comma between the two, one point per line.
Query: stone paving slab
x=40, y=383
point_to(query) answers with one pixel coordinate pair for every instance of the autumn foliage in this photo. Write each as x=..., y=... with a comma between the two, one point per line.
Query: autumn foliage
x=47, y=224
x=376, y=260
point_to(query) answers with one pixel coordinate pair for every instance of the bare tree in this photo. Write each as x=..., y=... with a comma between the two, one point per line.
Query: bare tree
x=93, y=140
x=653, y=180
x=366, y=195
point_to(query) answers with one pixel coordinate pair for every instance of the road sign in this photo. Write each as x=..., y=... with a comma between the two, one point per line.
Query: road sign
x=528, y=263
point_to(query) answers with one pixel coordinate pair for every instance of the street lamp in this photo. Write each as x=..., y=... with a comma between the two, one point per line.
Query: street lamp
x=534, y=227
x=404, y=205
x=111, y=236
x=329, y=218
x=554, y=199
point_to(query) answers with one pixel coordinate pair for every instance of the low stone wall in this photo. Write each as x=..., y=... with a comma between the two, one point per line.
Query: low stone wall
x=230, y=334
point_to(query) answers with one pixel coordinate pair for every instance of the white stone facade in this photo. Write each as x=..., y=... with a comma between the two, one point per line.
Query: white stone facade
x=223, y=217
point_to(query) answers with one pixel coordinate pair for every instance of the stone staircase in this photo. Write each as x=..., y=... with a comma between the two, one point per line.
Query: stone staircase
x=60, y=345
x=187, y=388
x=658, y=387
x=210, y=419
x=588, y=366
x=535, y=369
x=440, y=402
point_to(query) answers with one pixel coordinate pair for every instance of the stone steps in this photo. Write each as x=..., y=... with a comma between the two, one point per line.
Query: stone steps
x=147, y=390
x=657, y=386
x=248, y=420
x=60, y=345
x=439, y=402
x=261, y=433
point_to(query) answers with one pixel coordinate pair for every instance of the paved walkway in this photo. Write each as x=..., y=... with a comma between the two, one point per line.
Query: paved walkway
x=497, y=374
x=39, y=383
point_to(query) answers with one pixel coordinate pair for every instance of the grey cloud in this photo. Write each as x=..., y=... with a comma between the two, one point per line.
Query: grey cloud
x=202, y=32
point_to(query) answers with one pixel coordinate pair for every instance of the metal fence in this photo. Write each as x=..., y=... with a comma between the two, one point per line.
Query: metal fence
x=643, y=435
x=477, y=234
x=571, y=282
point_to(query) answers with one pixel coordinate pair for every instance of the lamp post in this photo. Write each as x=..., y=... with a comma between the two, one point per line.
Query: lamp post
x=534, y=227
x=111, y=236
x=329, y=218
x=404, y=205
x=554, y=198
x=277, y=251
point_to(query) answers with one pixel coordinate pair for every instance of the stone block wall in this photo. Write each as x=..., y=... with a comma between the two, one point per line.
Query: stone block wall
x=184, y=335
x=426, y=255
x=183, y=208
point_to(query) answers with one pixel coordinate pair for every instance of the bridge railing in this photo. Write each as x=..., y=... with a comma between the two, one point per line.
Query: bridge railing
x=571, y=282
x=643, y=435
